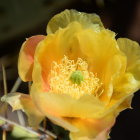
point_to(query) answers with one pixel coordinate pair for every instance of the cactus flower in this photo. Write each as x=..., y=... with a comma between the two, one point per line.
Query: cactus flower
x=82, y=76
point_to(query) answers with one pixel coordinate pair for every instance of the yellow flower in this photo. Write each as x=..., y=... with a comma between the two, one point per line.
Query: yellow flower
x=82, y=76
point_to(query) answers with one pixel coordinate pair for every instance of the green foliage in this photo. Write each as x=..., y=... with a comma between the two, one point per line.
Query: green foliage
x=19, y=133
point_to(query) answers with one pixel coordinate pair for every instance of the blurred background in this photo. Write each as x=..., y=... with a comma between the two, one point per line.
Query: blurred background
x=20, y=19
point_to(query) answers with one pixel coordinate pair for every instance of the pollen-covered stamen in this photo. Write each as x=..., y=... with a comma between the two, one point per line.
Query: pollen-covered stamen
x=73, y=78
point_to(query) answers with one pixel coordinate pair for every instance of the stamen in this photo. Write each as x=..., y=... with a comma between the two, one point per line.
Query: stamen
x=73, y=78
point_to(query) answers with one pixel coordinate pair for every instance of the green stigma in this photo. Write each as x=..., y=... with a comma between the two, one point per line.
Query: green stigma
x=77, y=77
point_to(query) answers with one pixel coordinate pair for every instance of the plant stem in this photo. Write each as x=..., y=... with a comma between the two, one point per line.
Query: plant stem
x=4, y=135
x=14, y=89
x=4, y=79
x=5, y=93
x=15, y=124
x=16, y=85
x=28, y=129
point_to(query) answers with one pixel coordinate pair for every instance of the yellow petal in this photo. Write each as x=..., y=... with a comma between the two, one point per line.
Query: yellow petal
x=119, y=102
x=127, y=84
x=92, y=129
x=125, y=104
x=130, y=81
x=66, y=106
x=66, y=17
x=64, y=122
x=24, y=102
x=132, y=50
x=104, y=57
x=26, y=57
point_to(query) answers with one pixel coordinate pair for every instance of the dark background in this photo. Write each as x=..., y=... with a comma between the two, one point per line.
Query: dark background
x=20, y=19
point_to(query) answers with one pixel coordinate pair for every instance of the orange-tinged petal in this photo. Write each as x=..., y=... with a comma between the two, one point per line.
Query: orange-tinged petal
x=24, y=102
x=84, y=128
x=92, y=129
x=53, y=48
x=26, y=57
x=66, y=106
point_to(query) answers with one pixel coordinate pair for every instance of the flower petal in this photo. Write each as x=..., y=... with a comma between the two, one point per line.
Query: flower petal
x=66, y=17
x=26, y=57
x=119, y=102
x=92, y=129
x=66, y=106
x=64, y=122
x=132, y=50
x=24, y=102
x=104, y=57
x=53, y=48
x=130, y=81
x=125, y=104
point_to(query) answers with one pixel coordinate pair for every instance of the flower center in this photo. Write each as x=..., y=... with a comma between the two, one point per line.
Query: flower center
x=73, y=78
x=77, y=77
